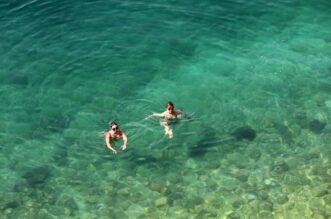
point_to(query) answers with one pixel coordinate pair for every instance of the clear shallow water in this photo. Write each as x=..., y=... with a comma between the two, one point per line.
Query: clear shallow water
x=67, y=68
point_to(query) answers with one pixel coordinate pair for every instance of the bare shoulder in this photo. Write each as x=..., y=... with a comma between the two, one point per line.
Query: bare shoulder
x=163, y=113
x=178, y=111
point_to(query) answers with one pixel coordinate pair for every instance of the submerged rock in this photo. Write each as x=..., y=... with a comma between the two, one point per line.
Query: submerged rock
x=327, y=200
x=37, y=176
x=11, y=204
x=265, y=214
x=254, y=154
x=61, y=157
x=182, y=47
x=197, y=151
x=135, y=211
x=270, y=182
x=69, y=204
x=319, y=171
x=21, y=186
x=161, y=201
x=281, y=199
x=238, y=203
x=233, y=215
x=317, y=126
x=202, y=146
x=251, y=197
x=295, y=180
x=190, y=203
x=241, y=175
x=279, y=167
x=319, y=192
x=301, y=118
x=173, y=194
x=284, y=131
x=206, y=214
x=191, y=164
x=328, y=103
x=158, y=186
x=263, y=195
x=245, y=132
x=266, y=206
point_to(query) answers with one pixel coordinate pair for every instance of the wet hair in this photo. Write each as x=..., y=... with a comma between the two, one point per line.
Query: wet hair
x=170, y=104
x=113, y=123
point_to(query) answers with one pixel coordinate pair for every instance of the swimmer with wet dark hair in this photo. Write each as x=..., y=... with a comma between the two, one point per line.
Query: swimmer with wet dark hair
x=169, y=117
x=115, y=133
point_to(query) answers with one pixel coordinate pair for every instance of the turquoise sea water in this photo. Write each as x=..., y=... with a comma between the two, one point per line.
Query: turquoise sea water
x=69, y=67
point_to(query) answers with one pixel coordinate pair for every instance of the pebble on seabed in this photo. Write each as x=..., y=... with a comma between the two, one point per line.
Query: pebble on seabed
x=161, y=201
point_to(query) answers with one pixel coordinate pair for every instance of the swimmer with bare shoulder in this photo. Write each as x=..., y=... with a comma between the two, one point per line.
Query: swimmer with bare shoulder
x=115, y=133
x=169, y=117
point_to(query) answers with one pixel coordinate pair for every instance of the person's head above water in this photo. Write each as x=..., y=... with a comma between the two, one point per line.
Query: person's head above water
x=113, y=126
x=170, y=106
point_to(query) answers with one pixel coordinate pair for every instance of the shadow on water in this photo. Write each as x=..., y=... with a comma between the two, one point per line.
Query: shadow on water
x=211, y=140
x=138, y=157
x=135, y=157
x=33, y=178
x=153, y=159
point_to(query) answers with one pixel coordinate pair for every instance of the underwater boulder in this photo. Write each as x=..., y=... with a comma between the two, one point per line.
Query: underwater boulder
x=244, y=132
x=68, y=203
x=279, y=167
x=10, y=204
x=37, y=176
x=197, y=151
x=182, y=47
x=233, y=215
x=254, y=153
x=161, y=202
x=238, y=203
x=173, y=194
x=316, y=126
x=293, y=179
x=201, y=148
x=204, y=213
x=266, y=214
x=190, y=203
x=320, y=192
x=266, y=205
x=21, y=186
x=327, y=200
x=241, y=175
x=301, y=118
x=157, y=186
x=61, y=157
x=209, y=140
x=281, y=199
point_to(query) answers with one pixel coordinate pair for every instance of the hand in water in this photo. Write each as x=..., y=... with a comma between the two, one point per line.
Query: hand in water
x=123, y=147
x=148, y=117
x=114, y=152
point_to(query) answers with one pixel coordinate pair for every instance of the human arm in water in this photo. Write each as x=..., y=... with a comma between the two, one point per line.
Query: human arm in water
x=107, y=137
x=179, y=112
x=125, y=141
x=157, y=115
